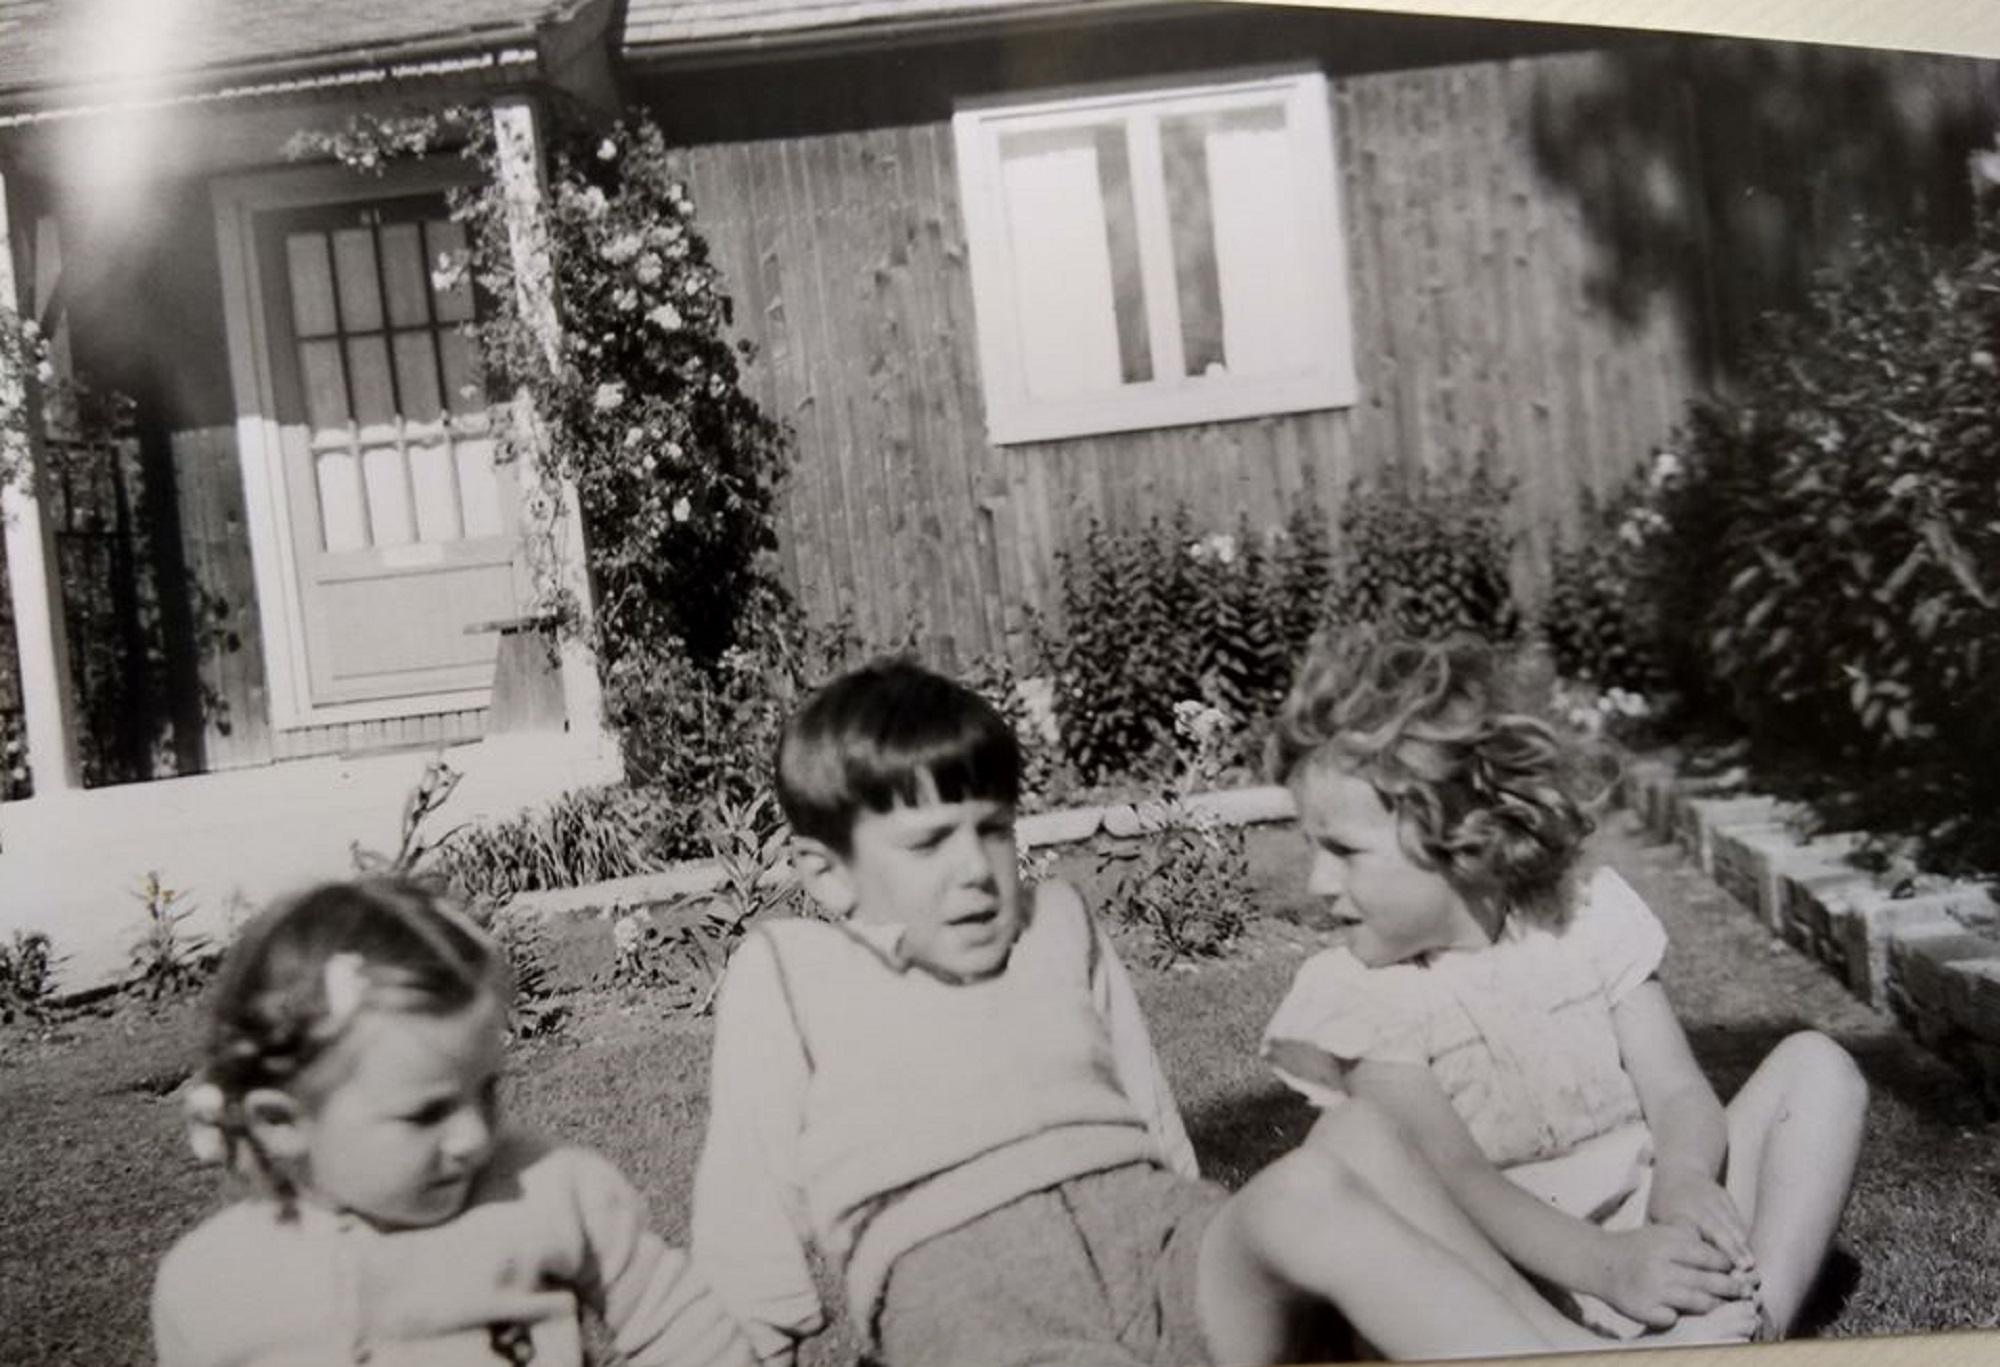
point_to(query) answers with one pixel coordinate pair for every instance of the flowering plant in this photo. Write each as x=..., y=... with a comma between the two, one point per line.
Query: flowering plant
x=630, y=391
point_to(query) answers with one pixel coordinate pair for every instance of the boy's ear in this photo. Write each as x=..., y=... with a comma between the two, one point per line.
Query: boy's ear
x=823, y=873
x=274, y=1121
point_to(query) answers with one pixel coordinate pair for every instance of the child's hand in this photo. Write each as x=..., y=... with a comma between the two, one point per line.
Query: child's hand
x=1696, y=1201
x=1658, y=1273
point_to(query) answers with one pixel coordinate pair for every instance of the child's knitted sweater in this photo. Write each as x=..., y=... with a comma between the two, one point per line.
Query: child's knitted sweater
x=866, y=1106
x=545, y=1231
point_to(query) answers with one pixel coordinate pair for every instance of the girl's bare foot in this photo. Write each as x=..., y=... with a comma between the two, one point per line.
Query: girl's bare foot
x=1731, y=1322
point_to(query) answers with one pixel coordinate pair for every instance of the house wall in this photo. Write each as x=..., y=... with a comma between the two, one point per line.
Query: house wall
x=1551, y=251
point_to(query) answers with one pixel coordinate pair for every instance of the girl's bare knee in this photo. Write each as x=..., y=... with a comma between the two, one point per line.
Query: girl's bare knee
x=1357, y=1129
x=1822, y=1069
x=1301, y=1191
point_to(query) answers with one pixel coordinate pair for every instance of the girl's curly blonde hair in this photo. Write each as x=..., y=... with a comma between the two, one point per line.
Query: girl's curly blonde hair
x=1492, y=798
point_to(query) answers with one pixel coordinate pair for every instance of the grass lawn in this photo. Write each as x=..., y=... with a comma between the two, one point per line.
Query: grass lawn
x=98, y=1183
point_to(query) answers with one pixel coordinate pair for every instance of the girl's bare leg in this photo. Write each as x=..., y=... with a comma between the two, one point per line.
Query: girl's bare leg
x=1367, y=1141
x=1375, y=1151
x=1794, y=1135
x=1308, y=1232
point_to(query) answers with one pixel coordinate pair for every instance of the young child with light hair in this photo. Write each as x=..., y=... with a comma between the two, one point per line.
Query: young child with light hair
x=1500, y=1002
x=949, y=1091
x=354, y=1052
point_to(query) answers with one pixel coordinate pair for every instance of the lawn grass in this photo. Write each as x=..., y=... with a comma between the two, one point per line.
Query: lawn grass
x=98, y=1183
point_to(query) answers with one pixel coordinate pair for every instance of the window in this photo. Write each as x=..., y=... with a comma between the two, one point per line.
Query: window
x=1147, y=258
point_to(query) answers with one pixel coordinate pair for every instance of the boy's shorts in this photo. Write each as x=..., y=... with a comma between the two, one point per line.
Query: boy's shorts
x=1100, y=1271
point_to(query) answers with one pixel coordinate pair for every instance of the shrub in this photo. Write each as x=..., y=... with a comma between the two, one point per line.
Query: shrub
x=1595, y=621
x=638, y=406
x=167, y=961
x=28, y=967
x=1185, y=882
x=1156, y=615
x=1427, y=558
x=1828, y=560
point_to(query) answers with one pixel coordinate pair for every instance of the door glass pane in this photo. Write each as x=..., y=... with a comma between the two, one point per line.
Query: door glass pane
x=368, y=369
x=311, y=273
x=417, y=377
x=354, y=270
x=404, y=279
x=325, y=382
x=446, y=240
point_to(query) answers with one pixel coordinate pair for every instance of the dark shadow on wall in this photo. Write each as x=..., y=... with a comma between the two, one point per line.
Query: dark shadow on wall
x=1719, y=175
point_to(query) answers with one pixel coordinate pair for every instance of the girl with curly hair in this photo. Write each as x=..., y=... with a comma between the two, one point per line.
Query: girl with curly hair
x=1501, y=1003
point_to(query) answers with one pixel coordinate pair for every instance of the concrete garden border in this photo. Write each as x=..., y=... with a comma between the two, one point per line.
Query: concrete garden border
x=1931, y=959
x=1036, y=830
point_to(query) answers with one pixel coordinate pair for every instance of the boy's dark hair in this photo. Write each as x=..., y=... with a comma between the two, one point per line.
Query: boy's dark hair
x=869, y=740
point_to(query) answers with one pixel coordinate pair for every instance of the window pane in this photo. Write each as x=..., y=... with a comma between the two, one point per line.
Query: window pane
x=404, y=277
x=1236, y=242
x=1065, y=282
x=354, y=267
x=311, y=273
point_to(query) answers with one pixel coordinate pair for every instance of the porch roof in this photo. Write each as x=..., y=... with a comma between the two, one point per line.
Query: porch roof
x=656, y=29
x=53, y=54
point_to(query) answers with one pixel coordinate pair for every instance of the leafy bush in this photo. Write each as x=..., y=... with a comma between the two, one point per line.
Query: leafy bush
x=1427, y=558
x=637, y=404
x=1185, y=881
x=167, y=961
x=27, y=977
x=682, y=948
x=1156, y=616
x=1595, y=620
x=1827, y=559
x=586, y=836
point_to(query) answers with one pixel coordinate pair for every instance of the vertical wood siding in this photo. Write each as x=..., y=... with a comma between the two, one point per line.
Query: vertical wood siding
x=1474, y=330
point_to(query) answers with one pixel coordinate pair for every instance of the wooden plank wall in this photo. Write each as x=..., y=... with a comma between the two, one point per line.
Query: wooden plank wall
x=1474, y=331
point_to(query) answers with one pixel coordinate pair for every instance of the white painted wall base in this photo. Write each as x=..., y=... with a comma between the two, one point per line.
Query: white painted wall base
x=70, y=862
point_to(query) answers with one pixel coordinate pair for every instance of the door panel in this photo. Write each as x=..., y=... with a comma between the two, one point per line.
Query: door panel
x=403, y=531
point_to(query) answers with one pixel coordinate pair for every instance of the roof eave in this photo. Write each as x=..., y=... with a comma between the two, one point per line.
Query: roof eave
x=471, y=49
x=777, y=44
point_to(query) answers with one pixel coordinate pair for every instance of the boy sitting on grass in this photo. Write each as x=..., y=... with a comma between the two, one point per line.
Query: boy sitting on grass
x=950, y=1091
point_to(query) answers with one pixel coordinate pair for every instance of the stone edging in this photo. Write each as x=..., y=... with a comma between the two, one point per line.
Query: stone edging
x=1932, y=960
x=1037, y=830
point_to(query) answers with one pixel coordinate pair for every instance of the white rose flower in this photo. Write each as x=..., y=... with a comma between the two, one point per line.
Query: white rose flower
x=608, y=397
x=681, y=509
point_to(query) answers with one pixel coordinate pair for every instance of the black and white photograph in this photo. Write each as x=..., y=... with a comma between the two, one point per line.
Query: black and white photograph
x=888, y=683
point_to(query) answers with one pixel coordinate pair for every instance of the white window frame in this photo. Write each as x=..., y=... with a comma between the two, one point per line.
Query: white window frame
x=1323, y=379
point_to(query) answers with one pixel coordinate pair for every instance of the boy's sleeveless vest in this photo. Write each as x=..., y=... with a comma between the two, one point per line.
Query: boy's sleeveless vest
x=930, y=1104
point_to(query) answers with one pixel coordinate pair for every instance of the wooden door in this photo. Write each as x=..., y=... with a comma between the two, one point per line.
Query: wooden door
x=403, y=533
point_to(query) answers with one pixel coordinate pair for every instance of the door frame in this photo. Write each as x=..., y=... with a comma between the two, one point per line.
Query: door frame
x=238, y=200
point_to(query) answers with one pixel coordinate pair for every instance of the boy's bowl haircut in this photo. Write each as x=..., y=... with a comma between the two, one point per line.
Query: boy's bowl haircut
x=891, y=732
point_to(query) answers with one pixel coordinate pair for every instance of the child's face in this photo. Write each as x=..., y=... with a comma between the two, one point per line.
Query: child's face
x=407, y=1120
x=1400, y=908
x=947, y=873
